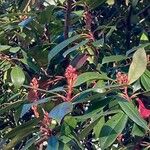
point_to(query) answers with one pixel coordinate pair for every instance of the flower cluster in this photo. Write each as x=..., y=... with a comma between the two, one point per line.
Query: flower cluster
x=71, y=76
x=33, y=95
x=44, y=128
x=122, y=78
x=88, y=19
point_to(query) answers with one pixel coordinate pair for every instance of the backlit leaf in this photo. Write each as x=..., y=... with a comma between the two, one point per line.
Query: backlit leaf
x=17, y=77
x=138, y=65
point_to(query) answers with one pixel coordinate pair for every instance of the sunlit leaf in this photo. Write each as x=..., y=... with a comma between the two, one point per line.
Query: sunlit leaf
x=87, y=76
x=111, y=129
x=138, y=65
x=132, y=113
x=17, y=76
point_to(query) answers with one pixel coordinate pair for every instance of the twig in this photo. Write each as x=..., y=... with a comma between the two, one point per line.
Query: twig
x=67, y=18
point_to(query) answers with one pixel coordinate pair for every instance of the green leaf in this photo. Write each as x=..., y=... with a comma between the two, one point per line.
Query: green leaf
x=30, y=142
x=60, y=111
x=53, y=143
x=132, y=112
x=17, y=77
x=144, y=37
x=21, y=135
x=84, y=77
x=137, y=131
x=4, y=47
x=113, y=58
x=111, y=129
x=75, y=47
x=138, y=65
x=26, y=107
x=110, y=2
x=61, y=46
x=14, y=49
x=83, y=134
x=145, y=80
x=98, y=127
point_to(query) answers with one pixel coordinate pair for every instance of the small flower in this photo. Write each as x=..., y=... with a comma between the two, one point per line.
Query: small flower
x=144, y=112
x=71, y=76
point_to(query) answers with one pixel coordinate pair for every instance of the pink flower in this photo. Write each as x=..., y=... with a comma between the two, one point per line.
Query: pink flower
x=144, y=112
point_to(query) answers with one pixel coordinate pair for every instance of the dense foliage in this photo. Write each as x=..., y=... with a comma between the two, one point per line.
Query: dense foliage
x=74, y=74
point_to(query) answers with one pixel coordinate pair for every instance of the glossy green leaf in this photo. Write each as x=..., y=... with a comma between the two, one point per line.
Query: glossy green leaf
x=137, y=131
x=87, y=76
x=145, y=80
x=138, y=65
x=17, y=77
x=132, y=112
x=113, y=58
x=60, y=111
x=111, y=129
x=98, y=127
x=61, y=46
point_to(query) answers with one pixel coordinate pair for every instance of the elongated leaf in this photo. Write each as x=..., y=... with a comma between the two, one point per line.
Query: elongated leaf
x=98, y=127
x=85, y=131
x=138, y=65
x=61, y=46
x=90, y=76
x=75, y=47
x=60, y=111
x=137, y=131
x=52, y=143
x=132, y=112
x=25, y=22
x=111, y=129
x=113, y=58
x=4, y=47
x=26, y=107
x=30, y=142
x=21, y=135
x=14, y=49
x=17, y=77
x=145, y=80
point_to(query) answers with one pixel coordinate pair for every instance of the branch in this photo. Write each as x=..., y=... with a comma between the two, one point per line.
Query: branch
x=67, y=18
